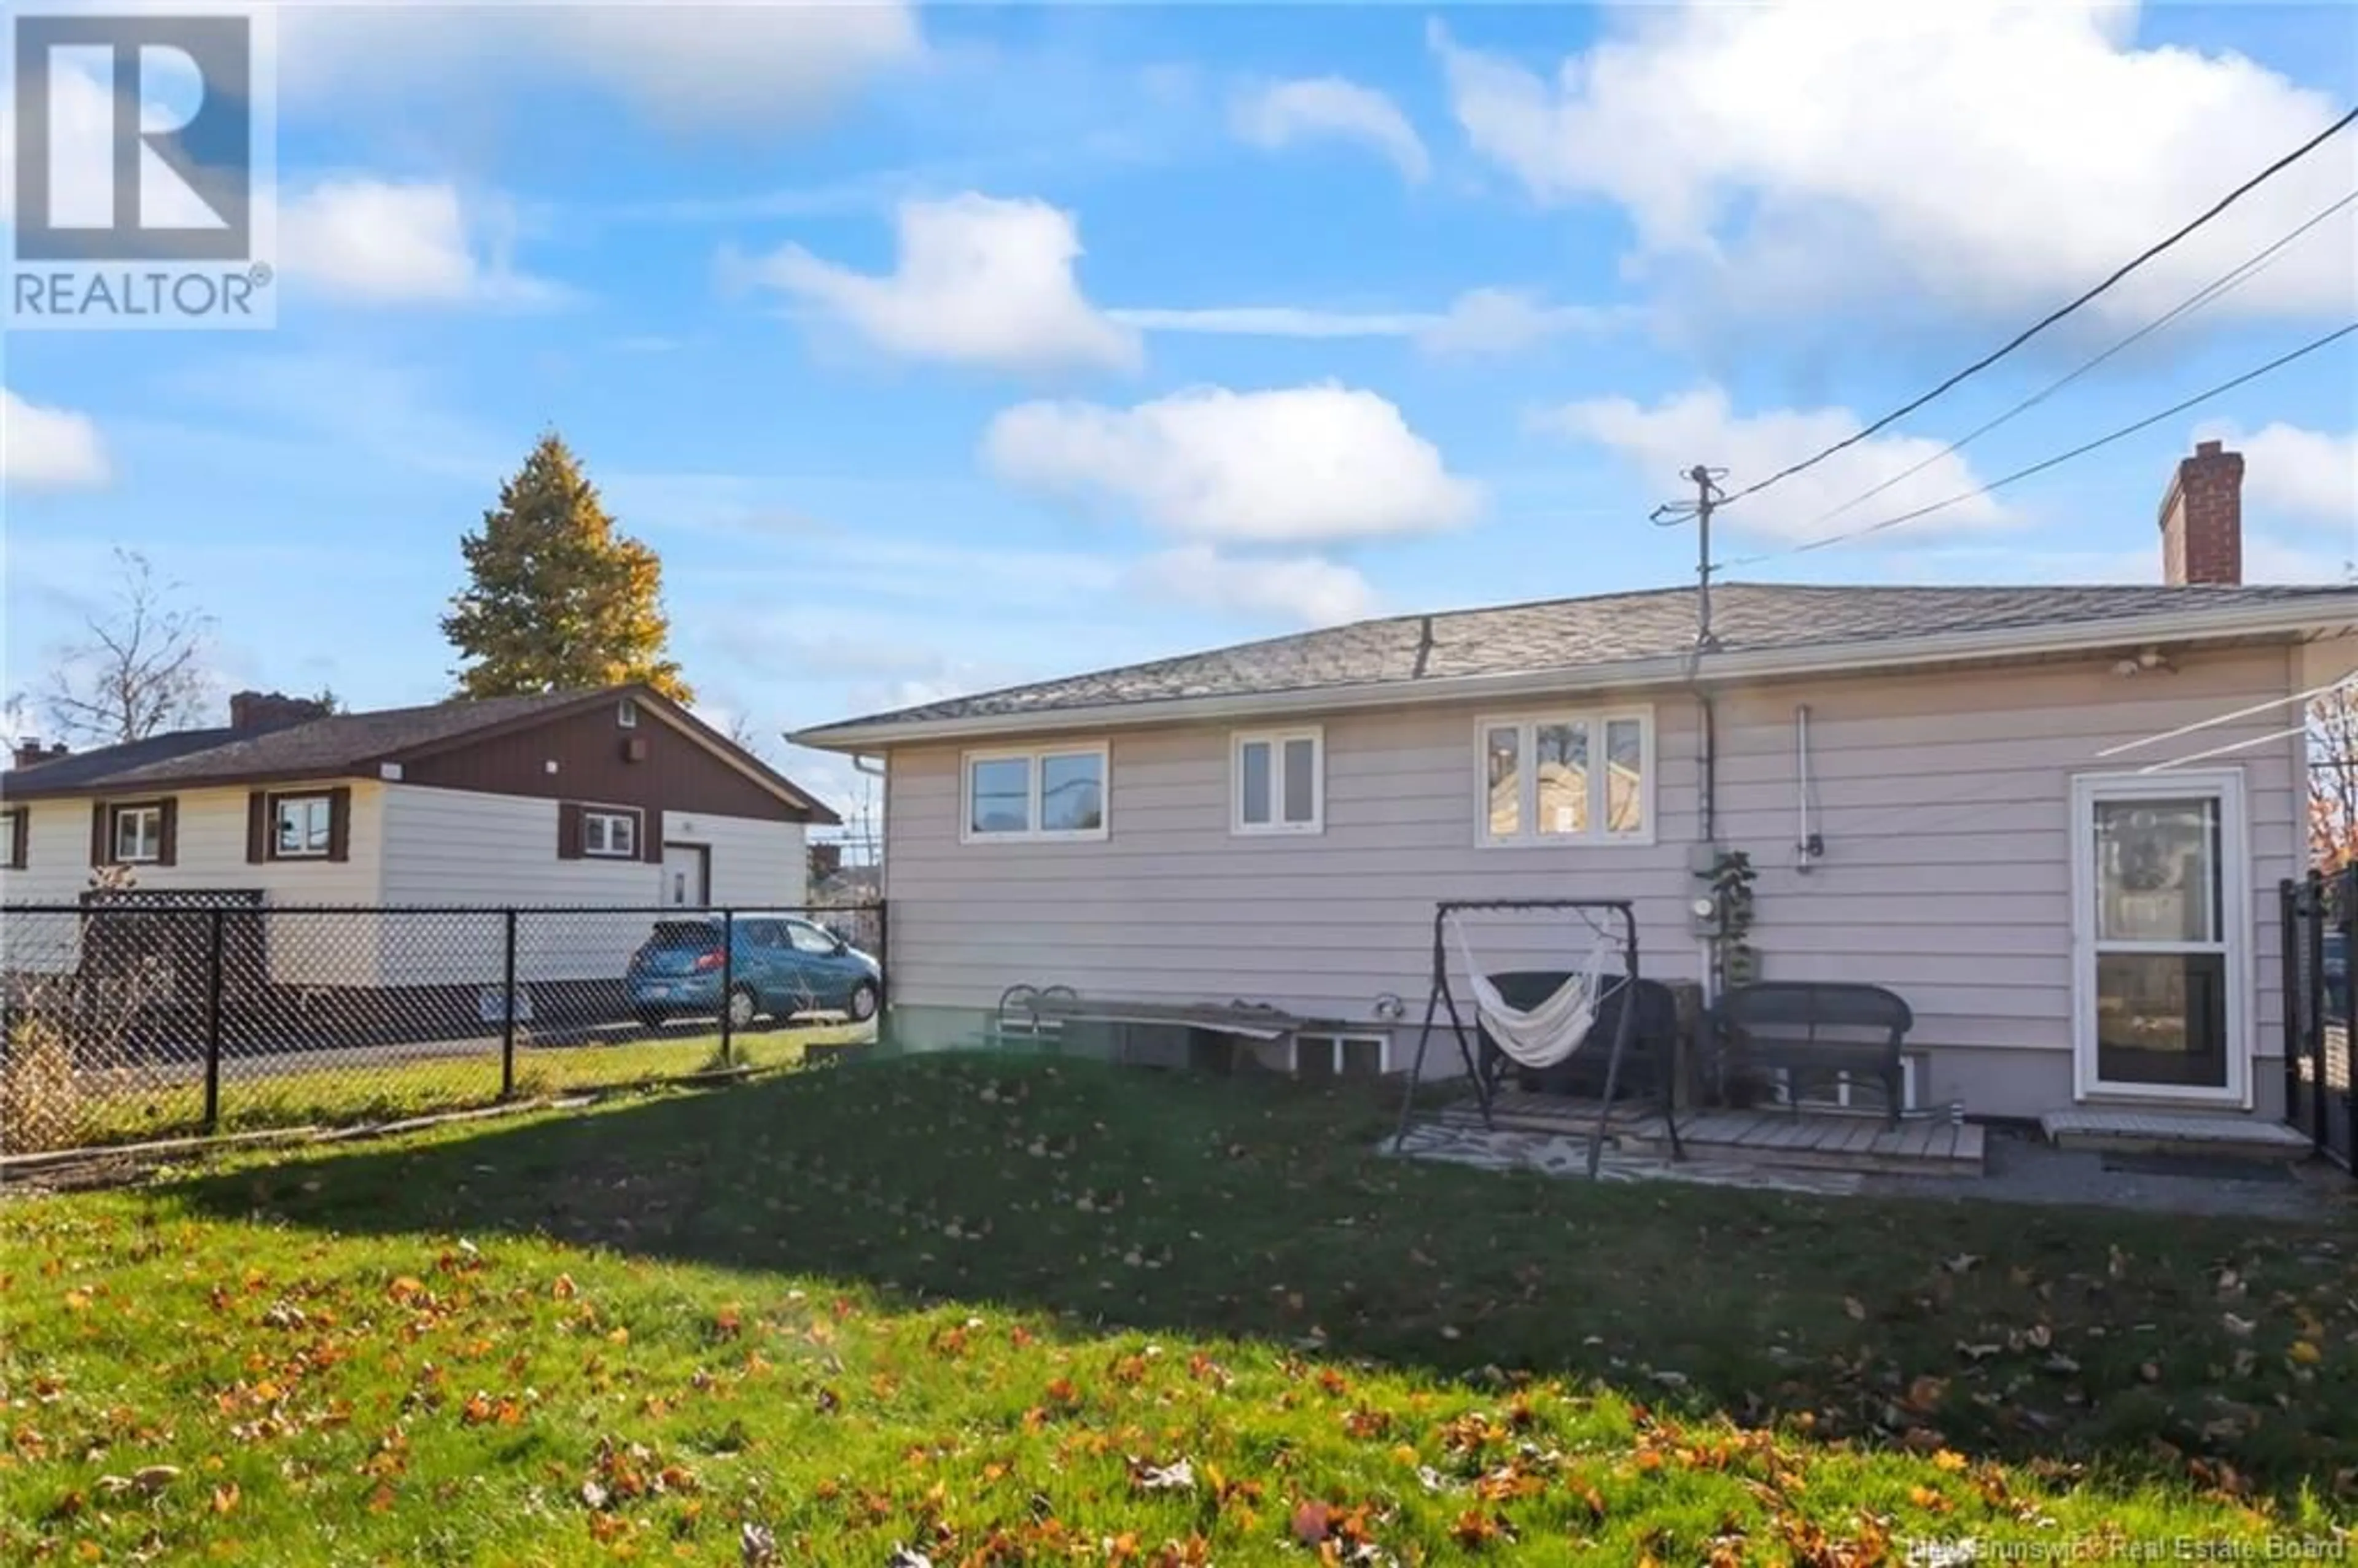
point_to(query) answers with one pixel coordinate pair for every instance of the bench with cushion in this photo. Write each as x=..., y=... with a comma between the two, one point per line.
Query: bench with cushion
x=1805, y=1026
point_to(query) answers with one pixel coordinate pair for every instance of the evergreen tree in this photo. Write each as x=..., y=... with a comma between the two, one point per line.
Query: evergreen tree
x=558, y=600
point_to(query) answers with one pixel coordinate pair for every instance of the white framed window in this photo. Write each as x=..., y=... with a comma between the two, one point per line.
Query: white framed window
x=1565, y=777
x=136, y=834
x=1845, y=1090
x=1341, y=1056
x=301, y=826
x=626, y=714
x=1041, y=792
x=1277, y=781
x=611, y=834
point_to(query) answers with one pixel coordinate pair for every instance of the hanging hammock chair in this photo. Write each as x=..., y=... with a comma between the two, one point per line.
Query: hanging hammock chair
x=1544, y=1034
x=1549, y=1031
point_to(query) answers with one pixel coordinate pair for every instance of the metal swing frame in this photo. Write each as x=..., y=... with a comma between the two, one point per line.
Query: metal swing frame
x=1443, y=999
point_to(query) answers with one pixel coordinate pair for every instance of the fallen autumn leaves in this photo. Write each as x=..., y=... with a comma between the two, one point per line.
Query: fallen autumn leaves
x=962, y=1313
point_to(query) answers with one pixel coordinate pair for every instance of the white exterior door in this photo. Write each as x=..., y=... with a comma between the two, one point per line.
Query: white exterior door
x=2161, y=929
x=687, y=872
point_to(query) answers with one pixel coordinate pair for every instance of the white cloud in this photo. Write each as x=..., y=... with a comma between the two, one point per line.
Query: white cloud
x=1479, y=321
x=1307, y=464
x=1305, y=589
x=812, y=643
x=1995, y=159
x=1281, y=114
x=48, y=448
x=404, y=242
x=1276, y=321
x=2307, y=473
x=2267, y=559
x=1664, y=440
x=693, y=68
x=372, y=406
x=977, y=281
x=1505, y=321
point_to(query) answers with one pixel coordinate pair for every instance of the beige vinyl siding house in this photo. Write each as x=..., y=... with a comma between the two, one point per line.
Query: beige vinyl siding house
x=468, y=847
x=1942, y=802
x=616, y=801
x=208, y=856
x=414, y=845
x=2053, y=820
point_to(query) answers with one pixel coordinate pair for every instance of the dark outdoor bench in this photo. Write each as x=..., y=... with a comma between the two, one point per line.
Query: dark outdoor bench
x=1815, y=1026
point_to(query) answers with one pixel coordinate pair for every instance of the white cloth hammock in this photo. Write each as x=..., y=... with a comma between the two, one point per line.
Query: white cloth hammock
x=1542, y=1035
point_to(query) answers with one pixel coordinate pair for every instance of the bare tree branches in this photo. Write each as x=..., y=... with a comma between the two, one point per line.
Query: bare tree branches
x=2334, y=779
x=139, y=670
x=744, y=732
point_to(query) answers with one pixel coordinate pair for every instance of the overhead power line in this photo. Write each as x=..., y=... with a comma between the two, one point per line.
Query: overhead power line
x=2058, y=314
x=2217, y=288
x=2060, y=458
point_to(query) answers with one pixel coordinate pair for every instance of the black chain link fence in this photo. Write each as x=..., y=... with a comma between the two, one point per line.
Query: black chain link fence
x=2320, y=920
x=130, y=1016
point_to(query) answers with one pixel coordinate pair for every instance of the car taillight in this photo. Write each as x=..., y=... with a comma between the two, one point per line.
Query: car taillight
x=708, y=960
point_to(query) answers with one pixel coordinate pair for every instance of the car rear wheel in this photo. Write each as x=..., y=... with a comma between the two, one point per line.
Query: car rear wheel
x=742, y=1006
x=863, y=1005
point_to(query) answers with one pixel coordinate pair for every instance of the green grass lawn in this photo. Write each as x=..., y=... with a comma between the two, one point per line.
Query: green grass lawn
x=1007, y=1312
x=381, y=1085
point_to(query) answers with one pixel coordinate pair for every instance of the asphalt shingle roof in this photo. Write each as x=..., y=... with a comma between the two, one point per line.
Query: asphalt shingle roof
x=78, y=768
x=1569, y=633
x=328, y=747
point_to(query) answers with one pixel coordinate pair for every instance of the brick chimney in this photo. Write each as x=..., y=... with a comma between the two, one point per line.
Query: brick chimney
x=30, y=754
x=2202, y=518
x=272, y=710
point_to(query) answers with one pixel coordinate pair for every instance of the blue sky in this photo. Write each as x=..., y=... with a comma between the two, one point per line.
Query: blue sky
x=942, y=349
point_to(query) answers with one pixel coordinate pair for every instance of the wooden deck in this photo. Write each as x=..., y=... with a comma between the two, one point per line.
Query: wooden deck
x=1773, y=1136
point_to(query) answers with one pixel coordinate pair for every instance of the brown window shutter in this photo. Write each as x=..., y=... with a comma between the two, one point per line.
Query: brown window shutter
x=167, y=832
x=99, y=848
x=568, y=831
x=339, y=823
x=20, y=833
x=257, y=827
x=651, y=836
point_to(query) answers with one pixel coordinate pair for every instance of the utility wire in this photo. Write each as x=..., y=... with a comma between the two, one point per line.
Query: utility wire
x=2217, y=288
x=2287, y=161
x=2044, y=464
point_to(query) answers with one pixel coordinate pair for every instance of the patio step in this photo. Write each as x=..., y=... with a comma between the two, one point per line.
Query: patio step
x=2178, y=1131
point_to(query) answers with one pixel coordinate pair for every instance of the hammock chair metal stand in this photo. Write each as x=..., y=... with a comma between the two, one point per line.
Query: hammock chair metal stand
x=1443, y=999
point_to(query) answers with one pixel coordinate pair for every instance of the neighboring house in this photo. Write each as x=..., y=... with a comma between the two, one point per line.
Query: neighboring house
x=608, y=798
x=849, y=885
x=2053, y=818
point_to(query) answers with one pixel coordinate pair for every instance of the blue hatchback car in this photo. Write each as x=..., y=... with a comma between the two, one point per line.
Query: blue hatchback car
x=780, y=967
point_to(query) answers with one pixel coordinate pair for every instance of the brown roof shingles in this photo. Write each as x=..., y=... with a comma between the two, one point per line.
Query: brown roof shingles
x=326, y=748
x=345, y=745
